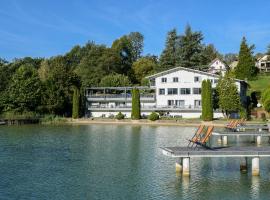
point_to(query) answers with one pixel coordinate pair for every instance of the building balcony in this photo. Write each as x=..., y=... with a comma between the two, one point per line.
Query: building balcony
x=120, y=97
x=146, y=108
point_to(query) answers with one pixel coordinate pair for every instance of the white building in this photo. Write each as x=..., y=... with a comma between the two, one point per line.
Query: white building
x=217, y=67
x=263, y=63
x=175, y=92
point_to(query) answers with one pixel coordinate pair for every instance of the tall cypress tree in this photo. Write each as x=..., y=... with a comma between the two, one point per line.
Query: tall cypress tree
x=75, y=103
x=136, y=105
x=207, y=101
x=168, y=55
x=246, y=65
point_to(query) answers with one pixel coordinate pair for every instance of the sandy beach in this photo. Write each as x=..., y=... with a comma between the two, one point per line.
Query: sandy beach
x=188, y=122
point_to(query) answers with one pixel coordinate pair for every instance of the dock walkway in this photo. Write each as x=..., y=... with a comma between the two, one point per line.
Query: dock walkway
x=185, y=153
x=249, y=151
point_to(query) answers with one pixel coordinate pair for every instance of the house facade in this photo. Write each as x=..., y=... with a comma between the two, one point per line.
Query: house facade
x=263, y=63
x=217, y=66
x=175, y=92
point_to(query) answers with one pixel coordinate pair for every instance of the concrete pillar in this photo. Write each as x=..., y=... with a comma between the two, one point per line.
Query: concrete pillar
x=256, y=166
x=243, y=165
x=225, y=139
x=259, y=140
x=179, y=166
x=186, y=162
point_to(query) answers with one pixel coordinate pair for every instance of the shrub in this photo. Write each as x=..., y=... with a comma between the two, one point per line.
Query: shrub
x=111, y=116
x=265, y=95
x=53, y=119
x=153, y=116
x=120, y=116
x=266, y=105
x=263, y=117
x=243, y=113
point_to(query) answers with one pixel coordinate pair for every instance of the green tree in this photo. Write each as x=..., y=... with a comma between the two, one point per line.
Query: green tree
x=207, y=101
x=190, y=48
x=136, y=105
x=75, y=103
x=265, y=99
x=246, y=64
x=115, y=80
x=57, y=92
x=144, y=66
x=90, y=69
x=229, y=100
x=123, y=48
x=168, y=57
x=208, y=54
x=268, y=50
x=24, y=91
x=136, y=40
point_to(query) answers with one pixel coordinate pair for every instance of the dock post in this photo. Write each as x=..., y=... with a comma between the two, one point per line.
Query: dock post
x=186, y=162
x=225, y=139
x=179, y=166
x=243, y=165
x=219, y=140
x=256, y=166
x=259, y=140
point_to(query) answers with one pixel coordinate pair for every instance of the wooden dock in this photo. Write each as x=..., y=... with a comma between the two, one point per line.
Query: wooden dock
x=250, y=151
x=256, y=134
x=185, y=153
x=243, y=133
x=256, y=127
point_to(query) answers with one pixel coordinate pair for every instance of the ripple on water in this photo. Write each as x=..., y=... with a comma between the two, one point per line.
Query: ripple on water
x=116, y=162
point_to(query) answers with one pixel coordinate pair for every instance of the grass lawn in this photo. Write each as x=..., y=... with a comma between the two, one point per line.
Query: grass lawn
x=261, y=83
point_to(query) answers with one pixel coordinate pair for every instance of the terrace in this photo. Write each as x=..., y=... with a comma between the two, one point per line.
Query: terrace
x=118, y=94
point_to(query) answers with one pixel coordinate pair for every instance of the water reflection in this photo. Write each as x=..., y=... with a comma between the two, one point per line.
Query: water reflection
x=255, y=187
x=117, y=162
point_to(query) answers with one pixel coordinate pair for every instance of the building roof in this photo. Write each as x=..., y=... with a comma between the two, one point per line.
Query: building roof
x=217, y=59
x=117, y=88
x=185, y=69
x=263, y=58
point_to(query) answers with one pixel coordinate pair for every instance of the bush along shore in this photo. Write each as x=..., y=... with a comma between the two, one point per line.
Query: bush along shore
x=12, y=118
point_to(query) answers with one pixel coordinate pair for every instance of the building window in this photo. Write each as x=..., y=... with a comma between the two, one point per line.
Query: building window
x=170, y=102
x=161, y=91
x=163, y=80
x=196, y=79
x=185, y=90
x=197, y=91
x=175, y=79
x=180, y=103
x=172, y=91
x=215, y=80
x=197, y=103
x=262, y=64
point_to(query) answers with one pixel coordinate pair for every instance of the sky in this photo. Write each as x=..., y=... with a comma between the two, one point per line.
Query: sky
x=45, y=28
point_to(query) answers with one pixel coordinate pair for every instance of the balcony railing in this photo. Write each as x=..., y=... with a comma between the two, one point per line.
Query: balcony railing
x=127, y=97
x=143, y=107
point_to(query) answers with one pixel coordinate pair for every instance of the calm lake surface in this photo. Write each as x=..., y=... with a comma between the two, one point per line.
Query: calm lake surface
x=116, y=162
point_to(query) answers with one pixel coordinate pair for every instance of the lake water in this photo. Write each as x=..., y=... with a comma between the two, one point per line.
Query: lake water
x=116, y=162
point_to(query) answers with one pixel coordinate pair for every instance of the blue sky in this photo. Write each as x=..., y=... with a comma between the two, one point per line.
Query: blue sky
x=44, y=28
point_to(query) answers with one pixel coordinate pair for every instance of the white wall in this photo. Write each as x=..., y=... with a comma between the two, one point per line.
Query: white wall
x=186, y=80
x=217, y=66
x=184, y=114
